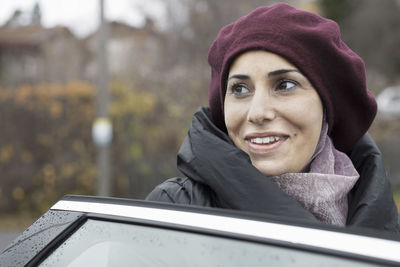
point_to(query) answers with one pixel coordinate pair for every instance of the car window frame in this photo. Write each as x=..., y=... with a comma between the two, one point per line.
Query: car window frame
x=56, y=242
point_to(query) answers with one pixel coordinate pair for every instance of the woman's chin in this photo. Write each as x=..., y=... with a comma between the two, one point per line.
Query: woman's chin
x=269, y=169
x=273, y=168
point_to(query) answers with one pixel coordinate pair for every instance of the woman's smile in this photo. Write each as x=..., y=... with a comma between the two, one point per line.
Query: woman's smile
x=272, y=112
x=264, y=142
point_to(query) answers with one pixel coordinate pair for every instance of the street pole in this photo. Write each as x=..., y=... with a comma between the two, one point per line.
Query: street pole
x=102, y=129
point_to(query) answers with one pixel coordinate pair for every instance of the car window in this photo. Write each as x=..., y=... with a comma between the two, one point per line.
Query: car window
x=102, y=243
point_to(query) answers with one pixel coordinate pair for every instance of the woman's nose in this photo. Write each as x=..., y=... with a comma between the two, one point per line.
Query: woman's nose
x=261, y=109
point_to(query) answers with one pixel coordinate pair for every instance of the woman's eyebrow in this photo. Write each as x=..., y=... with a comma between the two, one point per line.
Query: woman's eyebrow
x=270, y=74
x=282, y=71
x=240, y=77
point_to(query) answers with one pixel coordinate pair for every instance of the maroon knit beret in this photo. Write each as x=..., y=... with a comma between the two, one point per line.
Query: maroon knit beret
x=314, y=46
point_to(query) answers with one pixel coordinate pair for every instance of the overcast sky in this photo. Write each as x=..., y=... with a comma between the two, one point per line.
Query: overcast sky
x=82, y=15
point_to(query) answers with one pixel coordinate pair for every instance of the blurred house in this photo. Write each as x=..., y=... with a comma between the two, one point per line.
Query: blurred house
x=34, y=54
x=132, y=52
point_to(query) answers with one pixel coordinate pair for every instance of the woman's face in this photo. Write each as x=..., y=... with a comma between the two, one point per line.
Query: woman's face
x=272, y=112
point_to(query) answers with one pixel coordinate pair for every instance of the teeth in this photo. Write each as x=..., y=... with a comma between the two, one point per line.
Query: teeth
x=265, y=140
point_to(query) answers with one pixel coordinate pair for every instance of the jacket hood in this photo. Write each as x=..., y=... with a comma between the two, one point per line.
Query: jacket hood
x=371, y=199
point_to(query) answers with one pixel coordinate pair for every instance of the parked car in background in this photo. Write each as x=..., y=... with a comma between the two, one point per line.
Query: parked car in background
x=95, y=231
x=389, y=102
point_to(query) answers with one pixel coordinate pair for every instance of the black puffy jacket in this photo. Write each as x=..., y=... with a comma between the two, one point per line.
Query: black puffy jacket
x=221, y=175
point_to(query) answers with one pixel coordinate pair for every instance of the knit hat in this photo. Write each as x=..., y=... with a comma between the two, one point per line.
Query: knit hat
x=314, y=46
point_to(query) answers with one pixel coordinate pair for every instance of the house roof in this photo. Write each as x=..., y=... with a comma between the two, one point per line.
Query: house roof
x=29, y=36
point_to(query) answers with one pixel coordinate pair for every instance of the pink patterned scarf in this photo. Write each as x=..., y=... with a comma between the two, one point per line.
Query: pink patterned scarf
x=323, y=188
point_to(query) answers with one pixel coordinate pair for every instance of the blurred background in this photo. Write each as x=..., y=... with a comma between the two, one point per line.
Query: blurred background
x=144, y=72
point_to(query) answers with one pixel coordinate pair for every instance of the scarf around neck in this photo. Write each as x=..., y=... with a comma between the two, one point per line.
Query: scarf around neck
x=209, y=156
x=323, y=189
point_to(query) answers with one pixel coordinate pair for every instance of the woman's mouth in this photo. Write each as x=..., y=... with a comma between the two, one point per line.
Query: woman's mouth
x=265, y=140
x=264, y=144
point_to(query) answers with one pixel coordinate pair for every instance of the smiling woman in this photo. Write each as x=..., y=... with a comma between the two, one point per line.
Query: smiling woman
x=286, y=130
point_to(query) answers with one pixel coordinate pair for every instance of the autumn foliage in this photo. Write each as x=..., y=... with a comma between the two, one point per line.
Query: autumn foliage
x=46, y=148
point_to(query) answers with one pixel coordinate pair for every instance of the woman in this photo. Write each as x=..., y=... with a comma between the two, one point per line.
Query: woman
x=286, y=131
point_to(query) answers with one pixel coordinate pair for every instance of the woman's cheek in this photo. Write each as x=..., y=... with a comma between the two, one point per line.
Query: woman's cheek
x=234, y=117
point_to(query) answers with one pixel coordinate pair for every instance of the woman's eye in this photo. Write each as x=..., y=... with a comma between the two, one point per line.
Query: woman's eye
x=286, y=85
x=239, y=90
